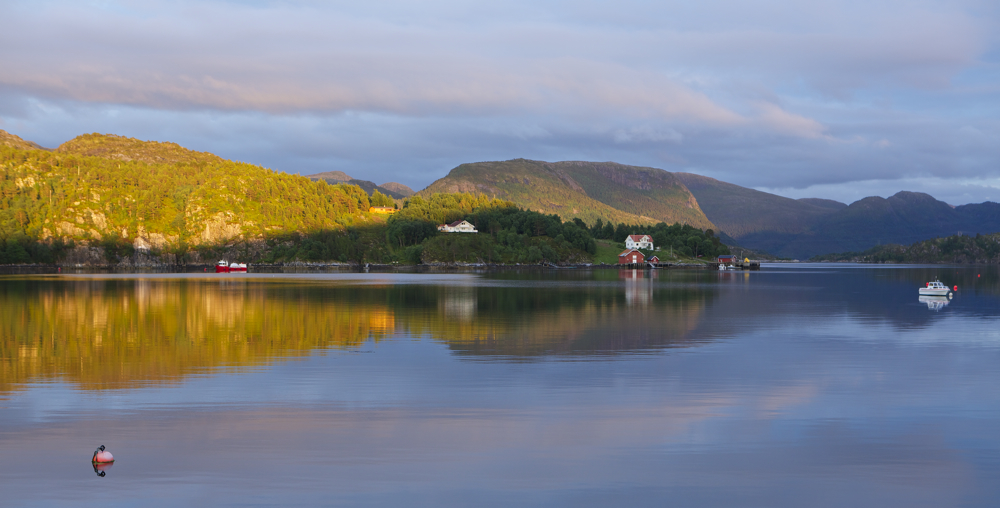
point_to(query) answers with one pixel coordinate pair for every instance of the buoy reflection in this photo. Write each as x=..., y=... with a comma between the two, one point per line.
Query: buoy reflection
x=101, y=468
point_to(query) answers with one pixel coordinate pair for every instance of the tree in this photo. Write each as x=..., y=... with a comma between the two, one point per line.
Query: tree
x=379, y=199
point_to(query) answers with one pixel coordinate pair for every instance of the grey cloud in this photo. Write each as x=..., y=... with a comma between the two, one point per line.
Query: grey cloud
x=777, y=94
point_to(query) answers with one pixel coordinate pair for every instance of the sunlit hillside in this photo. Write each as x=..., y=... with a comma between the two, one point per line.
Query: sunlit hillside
x=586, y=190
x=160, y=195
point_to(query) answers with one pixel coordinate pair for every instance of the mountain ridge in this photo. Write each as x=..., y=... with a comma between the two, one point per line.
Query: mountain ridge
x=611, y=192
x=577, y=189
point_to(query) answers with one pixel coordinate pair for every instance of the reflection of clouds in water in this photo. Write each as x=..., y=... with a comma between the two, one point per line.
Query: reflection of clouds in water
x=946, y=330
x=780, y=399
x=648, y=436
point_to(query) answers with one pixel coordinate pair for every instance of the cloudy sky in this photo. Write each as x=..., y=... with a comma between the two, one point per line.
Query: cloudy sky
x=839, y=99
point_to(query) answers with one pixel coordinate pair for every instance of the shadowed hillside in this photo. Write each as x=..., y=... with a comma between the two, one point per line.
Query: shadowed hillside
x=808, y=227
x=756, y=219
x=587, y=190
x=903, y=218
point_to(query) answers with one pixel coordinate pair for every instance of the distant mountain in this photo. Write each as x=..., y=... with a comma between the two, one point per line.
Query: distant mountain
x=903, y=218
x=824, y=203
x=399, y=188
x=588, y=190
x=331, y=176
x=802, y=228
x=391, y=189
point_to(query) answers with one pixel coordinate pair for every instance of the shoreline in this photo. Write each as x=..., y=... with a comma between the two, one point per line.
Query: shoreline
x=328, y=267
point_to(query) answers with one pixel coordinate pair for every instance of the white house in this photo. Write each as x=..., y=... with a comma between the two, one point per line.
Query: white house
x=459, y=226
x=639, y=242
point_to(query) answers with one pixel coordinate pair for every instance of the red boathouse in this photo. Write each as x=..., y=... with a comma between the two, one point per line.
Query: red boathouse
x=631, y=257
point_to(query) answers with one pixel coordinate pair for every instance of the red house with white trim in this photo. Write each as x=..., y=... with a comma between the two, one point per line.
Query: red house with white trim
x=631, y=257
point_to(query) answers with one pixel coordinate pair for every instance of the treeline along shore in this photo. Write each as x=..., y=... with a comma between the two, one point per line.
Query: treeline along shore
x=954, y=249
x=110, y=201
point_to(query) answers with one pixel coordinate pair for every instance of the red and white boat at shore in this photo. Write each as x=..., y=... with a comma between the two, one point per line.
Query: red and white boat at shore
x=224, y=267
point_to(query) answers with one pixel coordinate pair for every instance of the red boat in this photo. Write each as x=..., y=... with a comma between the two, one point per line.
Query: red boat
x=224, y=267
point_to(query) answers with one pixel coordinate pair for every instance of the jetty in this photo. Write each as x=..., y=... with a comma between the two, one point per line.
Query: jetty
x=751, y=264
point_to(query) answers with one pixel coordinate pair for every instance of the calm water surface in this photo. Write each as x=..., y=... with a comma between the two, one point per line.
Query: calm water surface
x=808, y=385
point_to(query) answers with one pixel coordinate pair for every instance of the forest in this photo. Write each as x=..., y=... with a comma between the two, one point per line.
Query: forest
x=954, y=249
x=121, y=197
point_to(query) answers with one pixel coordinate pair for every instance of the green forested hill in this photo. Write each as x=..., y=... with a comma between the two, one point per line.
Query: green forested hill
x=587, y=190
x=119, y=199
x=158, y=195
x=956, y=249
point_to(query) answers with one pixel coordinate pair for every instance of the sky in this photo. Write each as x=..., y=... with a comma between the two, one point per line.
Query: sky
x=839, y=99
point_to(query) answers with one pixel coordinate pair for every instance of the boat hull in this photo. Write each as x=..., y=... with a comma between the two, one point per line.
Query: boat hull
x=230, y=269
x=934, y=291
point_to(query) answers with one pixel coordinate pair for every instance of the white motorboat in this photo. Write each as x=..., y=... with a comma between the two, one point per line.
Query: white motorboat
x=935, y=288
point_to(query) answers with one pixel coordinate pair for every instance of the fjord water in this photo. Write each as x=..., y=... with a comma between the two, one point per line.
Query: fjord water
x=801, y=385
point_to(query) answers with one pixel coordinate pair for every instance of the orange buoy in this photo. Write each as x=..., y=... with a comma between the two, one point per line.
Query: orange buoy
x=102, y=457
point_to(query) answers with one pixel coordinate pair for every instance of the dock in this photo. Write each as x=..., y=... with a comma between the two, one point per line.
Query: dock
x=753, y=264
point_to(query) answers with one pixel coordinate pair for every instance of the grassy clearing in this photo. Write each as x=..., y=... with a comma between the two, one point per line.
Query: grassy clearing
x=607, y=252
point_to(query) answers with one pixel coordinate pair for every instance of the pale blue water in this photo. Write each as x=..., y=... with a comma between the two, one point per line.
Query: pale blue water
x=803, y=385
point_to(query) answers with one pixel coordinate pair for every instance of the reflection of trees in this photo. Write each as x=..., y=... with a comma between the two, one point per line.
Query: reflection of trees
x=118, y=333
x=115, y=333
x=518, y=321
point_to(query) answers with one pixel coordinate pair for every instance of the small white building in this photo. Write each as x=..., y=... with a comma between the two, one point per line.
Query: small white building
x=639, y=242
x=459, y=226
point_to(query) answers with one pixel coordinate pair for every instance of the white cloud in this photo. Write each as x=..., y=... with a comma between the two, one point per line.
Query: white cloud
x=783, y=122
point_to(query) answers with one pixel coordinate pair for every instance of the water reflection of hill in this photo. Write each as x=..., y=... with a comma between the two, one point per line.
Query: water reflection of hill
x=634, y=314
x=119, y=333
